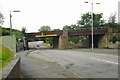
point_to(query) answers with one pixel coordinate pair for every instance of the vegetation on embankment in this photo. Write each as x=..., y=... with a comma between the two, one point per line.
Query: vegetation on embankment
x=17, y=33
x=6, y=55
x=47, y=44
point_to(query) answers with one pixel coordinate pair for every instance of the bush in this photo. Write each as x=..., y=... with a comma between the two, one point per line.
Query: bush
x=114, y=37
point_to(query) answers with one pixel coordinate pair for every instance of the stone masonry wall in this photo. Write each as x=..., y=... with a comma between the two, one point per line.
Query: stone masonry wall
x=64, y=41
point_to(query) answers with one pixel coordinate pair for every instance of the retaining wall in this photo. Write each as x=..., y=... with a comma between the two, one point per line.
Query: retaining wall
x=9, y=42
x=12, y=70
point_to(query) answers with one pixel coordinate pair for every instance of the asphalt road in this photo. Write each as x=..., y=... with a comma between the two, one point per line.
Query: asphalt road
x=73, y=63
x=39, y=68
x=87, y=65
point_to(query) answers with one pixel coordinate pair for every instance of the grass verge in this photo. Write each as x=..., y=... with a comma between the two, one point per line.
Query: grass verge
x=6, y=55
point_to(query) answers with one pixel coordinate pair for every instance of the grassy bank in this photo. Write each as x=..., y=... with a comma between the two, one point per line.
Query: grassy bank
x=6, y=55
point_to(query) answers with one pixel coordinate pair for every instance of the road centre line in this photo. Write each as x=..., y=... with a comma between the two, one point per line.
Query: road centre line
x=105, y=61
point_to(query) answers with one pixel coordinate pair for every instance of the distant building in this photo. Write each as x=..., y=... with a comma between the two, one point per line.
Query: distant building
x=119, y=11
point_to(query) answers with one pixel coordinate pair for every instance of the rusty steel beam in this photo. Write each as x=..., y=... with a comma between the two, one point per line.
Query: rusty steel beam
x=82, y=32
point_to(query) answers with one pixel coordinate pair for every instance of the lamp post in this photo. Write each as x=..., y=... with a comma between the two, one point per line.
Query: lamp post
x=11, y=21
x=119, y=12
x=92, y=22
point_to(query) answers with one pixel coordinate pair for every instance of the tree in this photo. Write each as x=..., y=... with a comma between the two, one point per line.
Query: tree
x=97, y=21
x=75, y=27
x=86, y=20
x=66, y=28
x=1, y=19
x=112, y=18
x=44, y=29
x=24, y=30
x=112, y=21
x=56, y=30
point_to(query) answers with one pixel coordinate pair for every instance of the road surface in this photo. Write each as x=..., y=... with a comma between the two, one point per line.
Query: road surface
x=87, y=65
x=73, y=62
x=39, y=68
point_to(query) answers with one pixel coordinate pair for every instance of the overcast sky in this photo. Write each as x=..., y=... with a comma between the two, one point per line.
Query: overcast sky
x=54, y=13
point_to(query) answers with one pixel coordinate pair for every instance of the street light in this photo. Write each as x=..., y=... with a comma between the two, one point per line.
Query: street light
x=92, y=21
x=11, y=21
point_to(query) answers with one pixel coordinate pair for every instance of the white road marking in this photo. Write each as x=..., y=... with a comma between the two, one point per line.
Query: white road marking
x=105, y=61
x=107, y=55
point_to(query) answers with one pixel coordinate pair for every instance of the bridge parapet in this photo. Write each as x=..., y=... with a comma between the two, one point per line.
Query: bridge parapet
x=93, y=28
x=84, y=32
x=81, y=32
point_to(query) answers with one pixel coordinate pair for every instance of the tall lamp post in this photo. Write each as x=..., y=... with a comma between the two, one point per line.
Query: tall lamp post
x=11, y=21
x=119, y=12
x=92, y=21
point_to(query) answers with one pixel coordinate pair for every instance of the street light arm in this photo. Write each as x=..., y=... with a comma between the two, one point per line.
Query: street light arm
x=16, y=11
x=97, y=3
x=85, y=2
x=91, y=3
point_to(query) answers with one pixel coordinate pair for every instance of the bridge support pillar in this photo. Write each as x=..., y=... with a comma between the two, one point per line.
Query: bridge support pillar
x=64, y=41
x=103, y=41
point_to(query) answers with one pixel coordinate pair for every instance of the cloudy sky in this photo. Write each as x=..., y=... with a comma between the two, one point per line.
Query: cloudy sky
x=55, y=13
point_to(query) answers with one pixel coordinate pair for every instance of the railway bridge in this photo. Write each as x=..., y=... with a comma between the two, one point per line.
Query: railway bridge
x=60, y=38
